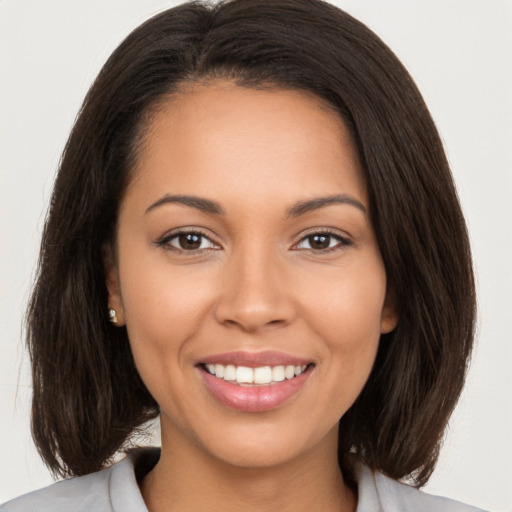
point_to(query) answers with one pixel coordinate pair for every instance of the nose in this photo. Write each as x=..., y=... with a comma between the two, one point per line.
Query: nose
x=254, y=294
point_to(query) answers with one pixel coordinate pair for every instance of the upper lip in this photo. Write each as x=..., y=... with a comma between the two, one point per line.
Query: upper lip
x=255, y=359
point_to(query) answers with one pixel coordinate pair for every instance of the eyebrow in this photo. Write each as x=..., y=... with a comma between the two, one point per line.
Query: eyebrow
x=303, y=207
x=300, y=208
x=199, y=203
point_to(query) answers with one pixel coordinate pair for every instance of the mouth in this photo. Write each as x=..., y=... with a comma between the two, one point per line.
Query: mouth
x=258, y=376
x=254, y=383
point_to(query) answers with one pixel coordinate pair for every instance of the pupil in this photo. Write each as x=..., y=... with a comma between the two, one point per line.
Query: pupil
x=190, y=241
x=319, y=241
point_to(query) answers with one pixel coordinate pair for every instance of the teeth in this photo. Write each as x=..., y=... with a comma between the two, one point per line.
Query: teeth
x=244, y=375
x=259, y=375
x=229, y=372
x=218, y=371
x=278, y=373
x=289, y=372
x=262, y=375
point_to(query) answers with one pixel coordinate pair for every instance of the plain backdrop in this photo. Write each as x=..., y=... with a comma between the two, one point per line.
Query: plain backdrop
x=460, y=54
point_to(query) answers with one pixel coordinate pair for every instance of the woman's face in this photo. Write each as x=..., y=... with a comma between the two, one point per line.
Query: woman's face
x=248, y=273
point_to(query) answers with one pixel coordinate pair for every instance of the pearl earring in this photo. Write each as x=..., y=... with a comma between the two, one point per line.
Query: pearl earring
x=113, y=315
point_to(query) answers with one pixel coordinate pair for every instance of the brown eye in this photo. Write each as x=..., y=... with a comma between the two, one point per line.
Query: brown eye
x=319, y=242
x=190, y=241
x=187, y=241
x=323, y=242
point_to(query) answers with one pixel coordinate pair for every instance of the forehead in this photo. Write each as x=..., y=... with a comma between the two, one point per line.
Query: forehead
x=220, y=136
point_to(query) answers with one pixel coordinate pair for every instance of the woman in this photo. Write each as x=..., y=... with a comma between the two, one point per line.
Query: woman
x=254, y=234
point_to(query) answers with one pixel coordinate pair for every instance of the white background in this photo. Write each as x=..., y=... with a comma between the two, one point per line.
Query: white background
x=460, y=54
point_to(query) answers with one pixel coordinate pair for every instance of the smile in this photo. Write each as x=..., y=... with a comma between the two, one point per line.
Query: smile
x=261, y=375
x=254, y=383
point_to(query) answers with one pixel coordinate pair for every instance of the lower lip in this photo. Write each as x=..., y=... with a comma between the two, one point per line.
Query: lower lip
x=254, y=398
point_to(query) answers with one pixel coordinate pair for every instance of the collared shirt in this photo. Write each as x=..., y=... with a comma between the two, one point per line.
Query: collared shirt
x=116, y=490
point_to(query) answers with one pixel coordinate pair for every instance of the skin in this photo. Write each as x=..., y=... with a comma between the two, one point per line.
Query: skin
x=257, y=283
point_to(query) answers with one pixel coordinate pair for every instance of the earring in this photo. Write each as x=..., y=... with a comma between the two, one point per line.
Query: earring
x=113, y=315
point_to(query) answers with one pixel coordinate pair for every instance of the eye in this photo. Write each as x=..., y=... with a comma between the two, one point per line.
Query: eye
x=188, y=241
x=322, y=242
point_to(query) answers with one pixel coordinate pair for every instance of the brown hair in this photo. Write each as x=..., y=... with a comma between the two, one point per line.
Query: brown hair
x=88, y=397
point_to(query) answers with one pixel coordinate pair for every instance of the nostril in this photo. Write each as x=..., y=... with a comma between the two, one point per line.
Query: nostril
x=250, y=326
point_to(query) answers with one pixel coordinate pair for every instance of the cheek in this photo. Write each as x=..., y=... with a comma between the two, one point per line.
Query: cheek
x=158, y=297
x=162, y=308
x=347, y=302
x=344, y=309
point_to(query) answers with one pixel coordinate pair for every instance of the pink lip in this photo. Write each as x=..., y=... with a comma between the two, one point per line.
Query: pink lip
x=253, y=398
x=254, y=359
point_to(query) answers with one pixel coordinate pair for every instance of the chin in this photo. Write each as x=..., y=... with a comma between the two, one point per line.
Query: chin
x=257, y=457
x=267, y=446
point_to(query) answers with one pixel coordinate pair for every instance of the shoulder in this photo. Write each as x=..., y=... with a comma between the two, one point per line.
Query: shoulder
x=379, y=493
x=111, y=490
x=88, y=492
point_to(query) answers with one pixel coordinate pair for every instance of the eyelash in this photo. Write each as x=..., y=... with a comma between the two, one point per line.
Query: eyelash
x=165, y=242
x=343, y=242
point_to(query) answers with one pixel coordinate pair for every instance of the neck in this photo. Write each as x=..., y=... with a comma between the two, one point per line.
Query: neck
x=188, y=480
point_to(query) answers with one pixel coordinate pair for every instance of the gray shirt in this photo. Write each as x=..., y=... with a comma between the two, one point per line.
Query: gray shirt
x=116, y=490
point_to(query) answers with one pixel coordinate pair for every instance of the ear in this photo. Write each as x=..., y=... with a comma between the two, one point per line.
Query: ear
x=390, y=314
x=115, y=301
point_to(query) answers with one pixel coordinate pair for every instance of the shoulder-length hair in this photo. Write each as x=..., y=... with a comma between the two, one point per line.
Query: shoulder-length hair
x=88, y=397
